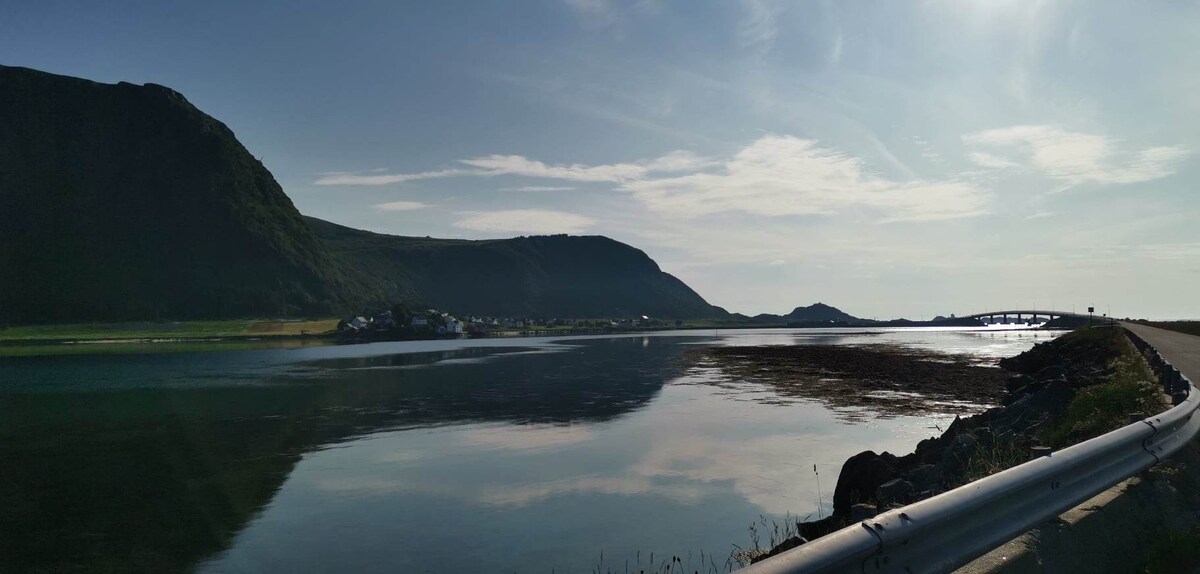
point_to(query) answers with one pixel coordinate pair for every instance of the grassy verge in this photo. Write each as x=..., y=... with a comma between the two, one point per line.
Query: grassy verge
x=237, y=328
x=1101, y=408
x=1174, y=551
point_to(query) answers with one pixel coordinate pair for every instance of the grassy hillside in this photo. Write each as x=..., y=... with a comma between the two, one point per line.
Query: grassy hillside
x=122, y=202
x=547, y=276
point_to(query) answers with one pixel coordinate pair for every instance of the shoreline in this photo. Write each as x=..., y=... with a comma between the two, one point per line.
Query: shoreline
x=1058, y=393
x=128, y=334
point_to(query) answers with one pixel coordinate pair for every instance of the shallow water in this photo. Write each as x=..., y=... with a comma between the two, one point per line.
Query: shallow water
x=526, y=455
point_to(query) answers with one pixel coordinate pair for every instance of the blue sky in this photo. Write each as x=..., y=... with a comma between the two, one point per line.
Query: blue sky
x=888, y=158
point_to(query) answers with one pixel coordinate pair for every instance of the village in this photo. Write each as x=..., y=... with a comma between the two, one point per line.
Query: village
x=399, y=323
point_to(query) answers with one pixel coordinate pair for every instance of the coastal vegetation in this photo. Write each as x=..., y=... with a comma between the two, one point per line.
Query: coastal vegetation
x=1064, y=391
x=1107, y=406
x=148, y=330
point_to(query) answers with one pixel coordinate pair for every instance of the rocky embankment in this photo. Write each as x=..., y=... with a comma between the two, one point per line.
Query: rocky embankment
x=1037, y=409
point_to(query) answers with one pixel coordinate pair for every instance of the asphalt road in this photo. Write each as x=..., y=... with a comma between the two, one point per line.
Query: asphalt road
x=1179, y=349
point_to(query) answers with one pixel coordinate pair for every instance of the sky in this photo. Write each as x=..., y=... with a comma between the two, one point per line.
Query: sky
x=888, y=158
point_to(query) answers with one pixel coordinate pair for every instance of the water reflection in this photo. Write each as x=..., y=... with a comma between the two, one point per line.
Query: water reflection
x=155, y=478
x=468, y=456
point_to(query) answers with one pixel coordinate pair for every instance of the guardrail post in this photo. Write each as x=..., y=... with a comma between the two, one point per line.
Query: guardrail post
x=1039, y=451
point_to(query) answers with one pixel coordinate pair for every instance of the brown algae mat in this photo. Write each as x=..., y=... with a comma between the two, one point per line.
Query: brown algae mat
x=876, y=380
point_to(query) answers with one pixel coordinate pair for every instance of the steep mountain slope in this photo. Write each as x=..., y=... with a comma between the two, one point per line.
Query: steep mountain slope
x=126, y=202
x=546, y=276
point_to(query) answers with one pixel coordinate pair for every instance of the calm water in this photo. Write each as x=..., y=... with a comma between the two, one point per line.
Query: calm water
x=499, y=455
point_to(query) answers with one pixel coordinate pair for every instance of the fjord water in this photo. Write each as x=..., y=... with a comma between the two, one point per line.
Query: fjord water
x=497, y=455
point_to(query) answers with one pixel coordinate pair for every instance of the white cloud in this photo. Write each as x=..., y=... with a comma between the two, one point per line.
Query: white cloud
x=679, y=160
x=538, y=188
x=519, y=165
x=773, y=176
x=782, y=175
x=400, y=206
x=528, y=438
x=993, y=161
x=346, y=178
x=525, y=221
x=523, y=166
x=1078, y=158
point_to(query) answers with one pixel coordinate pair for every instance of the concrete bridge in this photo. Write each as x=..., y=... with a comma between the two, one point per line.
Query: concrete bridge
x=1022, y=316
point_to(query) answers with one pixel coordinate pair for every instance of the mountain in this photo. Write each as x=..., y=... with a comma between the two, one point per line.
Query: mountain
x=546, y=276
x=820, y=312
x=126, y=202
x=815, y=315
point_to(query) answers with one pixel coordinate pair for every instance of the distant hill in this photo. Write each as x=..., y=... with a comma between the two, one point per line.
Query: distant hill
x=814, y=315
x=546, y=276
x=820, y=312
x=125, y=202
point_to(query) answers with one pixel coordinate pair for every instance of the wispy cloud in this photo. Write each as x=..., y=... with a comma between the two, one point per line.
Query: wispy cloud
x=594, y=12
x=1076, y=157
x=835, y=53
x=400, y=206
x=679, y=160
x=349, y=178
x=519, y=165
x=760, y=24
x=781, y=175
x=538, y=188
x=525, y=221
x=991, y=161
x=523, y=166
x=773, y=176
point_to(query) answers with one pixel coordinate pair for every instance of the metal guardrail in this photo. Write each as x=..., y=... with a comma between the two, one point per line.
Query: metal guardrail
x=947, y=531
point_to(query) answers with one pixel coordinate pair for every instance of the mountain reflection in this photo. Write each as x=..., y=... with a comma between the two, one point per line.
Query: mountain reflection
x=158, y=477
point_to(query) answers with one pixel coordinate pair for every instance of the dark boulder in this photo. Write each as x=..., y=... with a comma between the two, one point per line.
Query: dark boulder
x=895, y=491
x=860, y=476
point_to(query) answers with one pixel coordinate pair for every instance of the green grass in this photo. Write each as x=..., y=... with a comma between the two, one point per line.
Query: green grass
x=1174, y=551
x=125, y=348
x=165, y=330
x=986, y=461
x=1101, y=408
